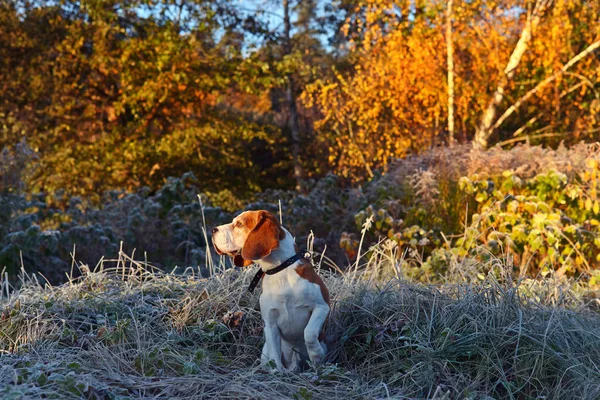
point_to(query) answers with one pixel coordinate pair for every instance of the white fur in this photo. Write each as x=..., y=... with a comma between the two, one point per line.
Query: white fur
x=293, y=309
x=223, y=239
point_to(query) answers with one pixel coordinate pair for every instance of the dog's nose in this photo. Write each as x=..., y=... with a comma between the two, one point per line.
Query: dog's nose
x=215, y=230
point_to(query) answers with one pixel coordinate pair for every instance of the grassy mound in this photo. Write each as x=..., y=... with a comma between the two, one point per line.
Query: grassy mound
x=129, y=332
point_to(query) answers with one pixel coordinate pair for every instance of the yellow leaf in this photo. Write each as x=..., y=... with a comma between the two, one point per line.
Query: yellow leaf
x=591, y=163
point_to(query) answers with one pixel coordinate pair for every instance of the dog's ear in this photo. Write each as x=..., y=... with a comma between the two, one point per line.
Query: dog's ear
x=264, y=237
x=239, y=261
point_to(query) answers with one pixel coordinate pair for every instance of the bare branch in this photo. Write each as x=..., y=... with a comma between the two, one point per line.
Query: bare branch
x=589, y=50
x=534, y=119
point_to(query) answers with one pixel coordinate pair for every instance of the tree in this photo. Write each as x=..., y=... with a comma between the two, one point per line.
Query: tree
x=389, y=103
x=121, y=94
x=292, y=44
x=450, y=53
x=534, y=18
x=395, y=92
x=291, y=99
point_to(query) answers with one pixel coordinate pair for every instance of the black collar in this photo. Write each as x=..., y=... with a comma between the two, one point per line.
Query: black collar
x=260, y=273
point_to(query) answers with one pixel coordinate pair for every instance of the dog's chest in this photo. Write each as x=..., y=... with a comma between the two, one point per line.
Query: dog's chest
x=288, y=300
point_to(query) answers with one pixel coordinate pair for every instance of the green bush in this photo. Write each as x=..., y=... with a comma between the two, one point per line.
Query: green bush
x=542, y=214
x=544, y=223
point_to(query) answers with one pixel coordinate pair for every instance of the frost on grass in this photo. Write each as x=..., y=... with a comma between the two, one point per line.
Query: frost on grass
x=132, y=333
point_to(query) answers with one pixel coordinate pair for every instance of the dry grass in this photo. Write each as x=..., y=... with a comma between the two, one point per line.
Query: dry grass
x=130, y=332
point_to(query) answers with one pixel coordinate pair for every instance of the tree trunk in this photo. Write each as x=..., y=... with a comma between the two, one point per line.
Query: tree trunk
x=291, y=101
x=450, y=51
x=485, y=129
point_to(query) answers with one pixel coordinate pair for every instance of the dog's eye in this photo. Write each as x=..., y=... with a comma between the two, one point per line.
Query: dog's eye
x=238, y=224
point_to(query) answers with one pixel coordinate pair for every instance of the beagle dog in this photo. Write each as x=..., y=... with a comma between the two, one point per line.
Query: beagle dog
x=294, y=302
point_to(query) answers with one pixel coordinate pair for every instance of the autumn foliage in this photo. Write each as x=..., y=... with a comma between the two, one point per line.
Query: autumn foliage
x=119, y=95
x=101, y=100
x=392, y=100
x=122, y=94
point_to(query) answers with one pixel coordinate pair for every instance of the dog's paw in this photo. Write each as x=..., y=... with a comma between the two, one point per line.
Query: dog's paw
x=271, y=367
x=316, y=357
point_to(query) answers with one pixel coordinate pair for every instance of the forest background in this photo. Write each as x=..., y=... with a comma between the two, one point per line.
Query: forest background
x=106, y=107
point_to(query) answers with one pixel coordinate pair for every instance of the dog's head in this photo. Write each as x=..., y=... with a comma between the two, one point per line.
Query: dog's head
x=252, y=235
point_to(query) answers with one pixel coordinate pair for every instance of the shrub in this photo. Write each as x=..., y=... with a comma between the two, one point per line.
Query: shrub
x=538, y=206
x=166, y=225
x=545, y=222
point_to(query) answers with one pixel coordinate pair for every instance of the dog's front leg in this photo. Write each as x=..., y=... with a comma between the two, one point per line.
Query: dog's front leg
x=272, y=349
x=312, y=331
x=272, y=344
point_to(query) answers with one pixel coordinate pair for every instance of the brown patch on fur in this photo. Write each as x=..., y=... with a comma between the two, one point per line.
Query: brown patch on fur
x=239, y=261
x=265, y=234
x=306, y=271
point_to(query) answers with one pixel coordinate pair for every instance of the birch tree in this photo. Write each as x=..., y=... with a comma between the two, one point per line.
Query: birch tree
x=485, y=128
x=450, y=53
